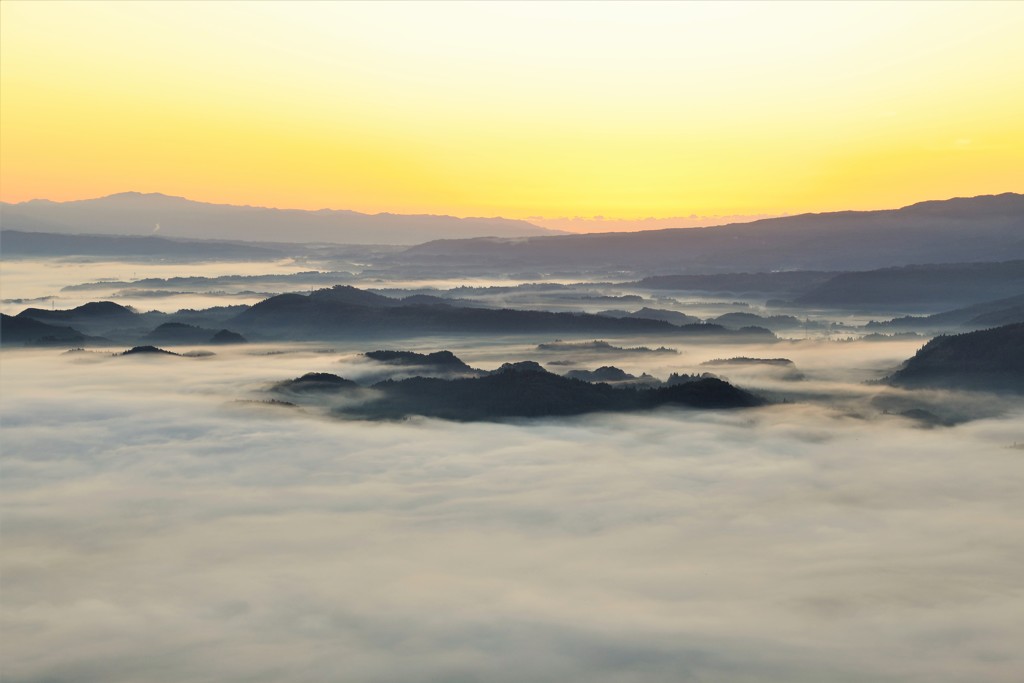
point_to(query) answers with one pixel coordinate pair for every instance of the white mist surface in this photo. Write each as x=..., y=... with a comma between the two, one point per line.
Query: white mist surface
x=155, y=530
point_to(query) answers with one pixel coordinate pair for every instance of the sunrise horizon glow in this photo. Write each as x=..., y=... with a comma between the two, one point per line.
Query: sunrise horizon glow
x=626, y=111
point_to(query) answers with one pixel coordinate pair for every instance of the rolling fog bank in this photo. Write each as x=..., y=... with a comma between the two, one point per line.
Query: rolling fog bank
x=181, y=534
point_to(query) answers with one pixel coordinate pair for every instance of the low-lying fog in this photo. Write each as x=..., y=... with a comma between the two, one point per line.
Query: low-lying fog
x=46, y=282
x=35, y=282
x=156, y=528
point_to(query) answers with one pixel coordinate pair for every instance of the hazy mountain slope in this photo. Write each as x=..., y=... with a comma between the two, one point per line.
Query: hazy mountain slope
x=27, y=331
x=986, y=359
x=346, y=312
x=783, y=282
x=132, y=213
x=15, y=243
x=944, y=285
x=986, y=228
x=103, y=318
x=988, y=314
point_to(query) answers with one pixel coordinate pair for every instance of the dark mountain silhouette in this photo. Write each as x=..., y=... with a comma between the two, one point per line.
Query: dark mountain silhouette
x=182, y=333
x=978, y=316
x=346, y=312
x=17, y=243
x=94, y=310
x=178, y=333
x=597, y=346
x=744, y=360
x=616, y=377
x=783, y=368
x=990, y=359
x=133, y=213
x=103, y=318
x=675, y=379
x=986, y=228
x=147, y=350
x=311, y=278
x=442, y=360
x=741, y=319
x=315, y=383
x=25, y=331
x=605, y=373
x=526, y=390
x=674, y=317
x=931, y=285
x=227, y=337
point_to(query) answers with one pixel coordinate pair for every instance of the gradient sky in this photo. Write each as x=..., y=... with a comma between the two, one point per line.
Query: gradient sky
x=619, y=110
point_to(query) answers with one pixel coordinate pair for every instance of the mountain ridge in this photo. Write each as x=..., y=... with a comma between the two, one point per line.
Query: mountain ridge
x=155, y=213
x=982, y=228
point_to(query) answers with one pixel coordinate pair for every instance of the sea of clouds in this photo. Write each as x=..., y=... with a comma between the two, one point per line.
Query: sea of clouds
x=155, y=528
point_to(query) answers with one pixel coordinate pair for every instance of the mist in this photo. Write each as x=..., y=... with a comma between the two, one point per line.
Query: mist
x=185, y=534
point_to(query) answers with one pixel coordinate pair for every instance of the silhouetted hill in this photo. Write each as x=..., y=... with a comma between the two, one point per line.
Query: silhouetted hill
x=315, y=383
x=147, y=350
x=526, y=390
x=132, y=213
x=94, y=310
x=102, y=318
x=26, y=331
x=346, y=312
x=782, y=368
x=919, y=285
x=986, y=228
x=442, y=360
x=178, y=333
x=740, y=319
x=987, y=359
x=597, y=346
x=616, y=377
x=182, y=333
x=605, y=373
x=674, y=317
x=17, y=243
x=227, y=337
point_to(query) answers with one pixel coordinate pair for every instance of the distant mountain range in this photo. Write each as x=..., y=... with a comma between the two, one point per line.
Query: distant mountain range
x=340, y=312
x=985, y=228
x=779, y=254
x=134, y=213
x=344, y=312
x=19, y=243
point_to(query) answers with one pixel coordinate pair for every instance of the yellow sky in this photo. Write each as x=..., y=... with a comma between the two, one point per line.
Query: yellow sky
x=623, y=110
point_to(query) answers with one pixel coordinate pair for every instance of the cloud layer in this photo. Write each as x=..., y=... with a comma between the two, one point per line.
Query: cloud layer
x=156, y=530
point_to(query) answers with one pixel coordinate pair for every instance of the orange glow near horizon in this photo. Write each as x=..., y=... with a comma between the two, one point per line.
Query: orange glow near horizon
x=622, y=110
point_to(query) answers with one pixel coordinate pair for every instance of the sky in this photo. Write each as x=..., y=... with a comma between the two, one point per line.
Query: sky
x=625, y=111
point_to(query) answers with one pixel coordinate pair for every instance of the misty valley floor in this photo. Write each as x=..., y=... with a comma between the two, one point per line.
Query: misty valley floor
x=157, y=529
